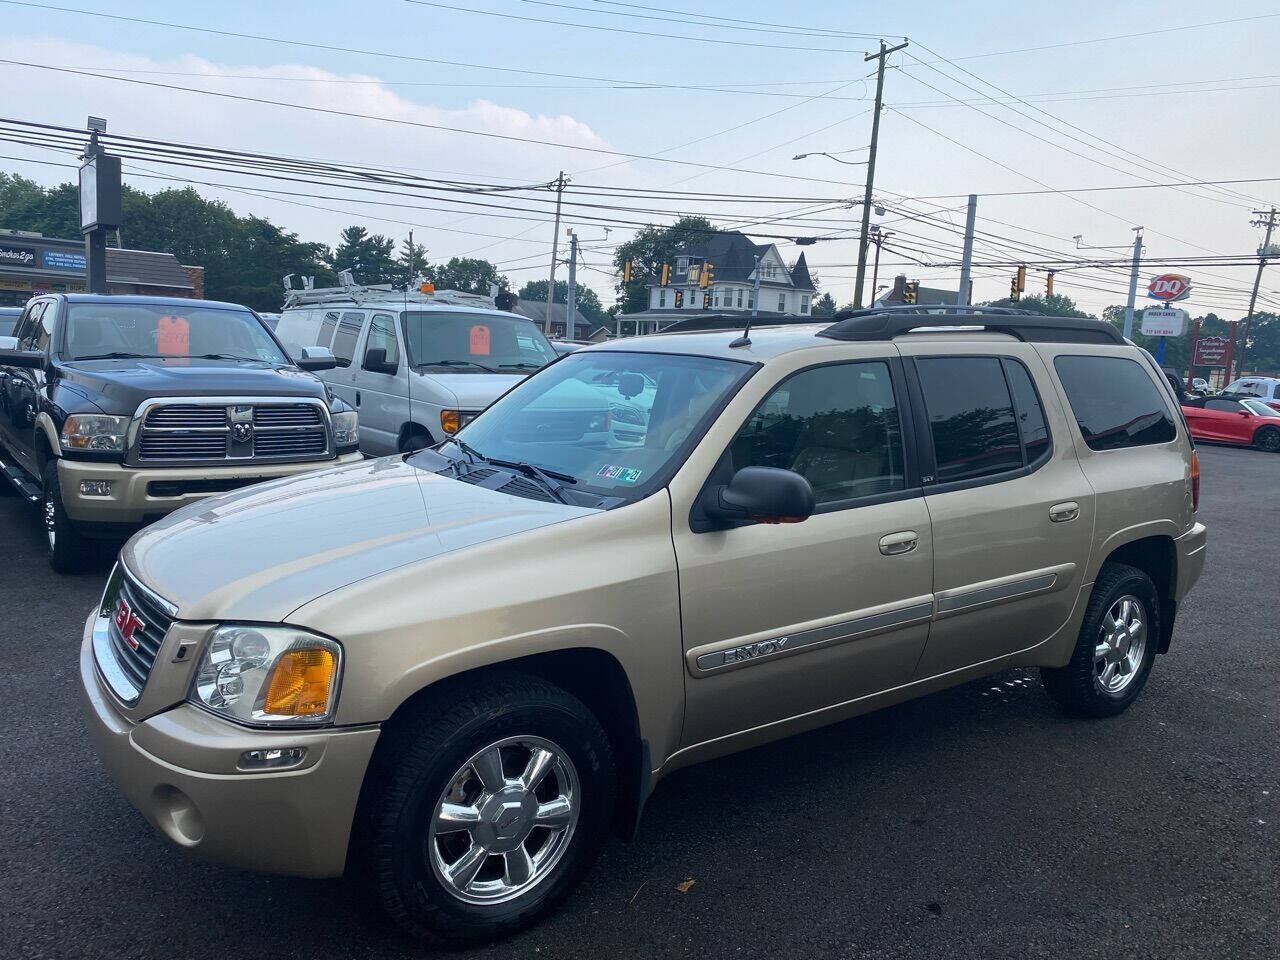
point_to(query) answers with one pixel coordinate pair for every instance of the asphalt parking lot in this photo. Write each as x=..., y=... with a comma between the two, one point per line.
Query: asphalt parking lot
x=979, y=822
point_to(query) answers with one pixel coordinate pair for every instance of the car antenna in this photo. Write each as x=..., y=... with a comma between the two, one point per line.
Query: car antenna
x=745, y=339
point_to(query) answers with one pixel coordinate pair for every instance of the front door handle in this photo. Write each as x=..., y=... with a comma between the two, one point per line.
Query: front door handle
x=892, y=544
x=1063, y=512
x=357, y=398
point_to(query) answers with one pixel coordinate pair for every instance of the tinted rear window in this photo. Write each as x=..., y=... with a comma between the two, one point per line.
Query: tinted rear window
x=975, y=433
x=1115, y=402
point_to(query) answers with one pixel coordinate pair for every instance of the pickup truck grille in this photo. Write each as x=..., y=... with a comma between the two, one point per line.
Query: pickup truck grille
x=191, y=433
x=130, y=628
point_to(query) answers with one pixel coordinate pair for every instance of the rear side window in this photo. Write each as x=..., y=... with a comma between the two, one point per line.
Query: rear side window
x=344, y=341
x=1114, y=402
x=1276, y=391
x=971, y=418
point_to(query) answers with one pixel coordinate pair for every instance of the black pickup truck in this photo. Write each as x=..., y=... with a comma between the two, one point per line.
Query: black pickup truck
x=115, y=410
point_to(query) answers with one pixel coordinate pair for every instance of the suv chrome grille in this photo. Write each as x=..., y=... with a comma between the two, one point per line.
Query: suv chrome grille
x=232, y=431
x=130, y=627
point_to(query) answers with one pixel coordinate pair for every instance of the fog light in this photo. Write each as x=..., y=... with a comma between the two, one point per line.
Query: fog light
x=95, y=488
x=272, y=759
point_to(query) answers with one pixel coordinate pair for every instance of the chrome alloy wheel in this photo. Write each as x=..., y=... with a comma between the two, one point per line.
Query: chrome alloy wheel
x=505, y=820
x=1122, y=643
x=50, y=522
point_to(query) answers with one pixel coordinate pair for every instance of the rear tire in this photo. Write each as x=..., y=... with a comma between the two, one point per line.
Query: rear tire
x=1116, y=647
x=67, y=549
x=1268, y=439
x=461, y=849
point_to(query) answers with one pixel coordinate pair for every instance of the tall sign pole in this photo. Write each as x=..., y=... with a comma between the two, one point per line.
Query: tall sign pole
x=864, y=239
x=99, y=206
x=1270, y=223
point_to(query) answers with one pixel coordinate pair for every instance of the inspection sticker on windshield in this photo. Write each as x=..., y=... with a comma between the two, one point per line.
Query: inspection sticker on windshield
x=612, y=471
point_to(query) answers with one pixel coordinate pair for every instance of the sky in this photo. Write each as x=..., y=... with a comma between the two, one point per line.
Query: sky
x=1110, y=95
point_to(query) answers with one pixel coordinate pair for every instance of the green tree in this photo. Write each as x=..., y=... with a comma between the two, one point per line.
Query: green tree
x=824, y=306
x=1056, y=305
x=648, y=250
x=25, y=205
x=588, y=301
x=467, y=275
x=412, y=263
x=369, y=257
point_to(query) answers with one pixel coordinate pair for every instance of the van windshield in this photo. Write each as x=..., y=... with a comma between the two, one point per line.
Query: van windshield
x=111, y=330
x=474, y=343
x=609, y=426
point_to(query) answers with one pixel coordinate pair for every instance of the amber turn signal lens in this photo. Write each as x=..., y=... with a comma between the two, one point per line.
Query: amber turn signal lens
x=301, y=683
x=450, y=421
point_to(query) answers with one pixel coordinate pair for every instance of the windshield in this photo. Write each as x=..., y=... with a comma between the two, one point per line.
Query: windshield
x=614, y=424
x=99, y=330
x=474, y=342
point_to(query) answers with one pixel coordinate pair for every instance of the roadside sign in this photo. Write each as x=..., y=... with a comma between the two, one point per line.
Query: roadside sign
x=1164, y=322
x=1211, y=352
x=1169, y=287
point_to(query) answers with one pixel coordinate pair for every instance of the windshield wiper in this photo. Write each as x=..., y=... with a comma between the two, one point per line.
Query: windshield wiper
x=458, y=363
x=550, y=479
x=222, y=356
x=120, y=355
x=521, y=366
x=472, y=453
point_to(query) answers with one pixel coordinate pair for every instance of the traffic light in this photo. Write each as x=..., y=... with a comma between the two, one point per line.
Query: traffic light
x=1014, y=292
x=911, y=292
x=1048, y=284
x=679, y=299
x=665, y=276
x=705, y=276
x=1022, y=279
x=706, y=301
x=626, y=271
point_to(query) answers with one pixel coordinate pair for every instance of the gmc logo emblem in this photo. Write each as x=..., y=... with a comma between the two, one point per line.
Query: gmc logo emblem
x=128, y=623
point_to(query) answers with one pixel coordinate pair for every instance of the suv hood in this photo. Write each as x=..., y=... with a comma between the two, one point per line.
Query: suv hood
x=118, y=386
x=262, y=552
x=472, y=391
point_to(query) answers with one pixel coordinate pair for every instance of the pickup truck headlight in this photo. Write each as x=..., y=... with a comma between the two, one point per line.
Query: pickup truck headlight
x=95, y=432
x=346, y=428
x=268, y=676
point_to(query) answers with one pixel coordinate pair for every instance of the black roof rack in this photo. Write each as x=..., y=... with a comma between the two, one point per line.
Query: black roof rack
x=733, y=321
x=885, y=323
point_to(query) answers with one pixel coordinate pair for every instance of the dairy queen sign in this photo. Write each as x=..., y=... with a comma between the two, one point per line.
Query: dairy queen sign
x=1169, y=287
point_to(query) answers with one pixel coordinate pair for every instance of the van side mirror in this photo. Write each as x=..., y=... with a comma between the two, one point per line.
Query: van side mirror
x=760, y=495
x=11, y=356
x=375, y=359
x=317, y=358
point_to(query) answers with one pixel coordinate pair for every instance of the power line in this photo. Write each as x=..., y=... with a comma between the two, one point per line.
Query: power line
x=726, y=24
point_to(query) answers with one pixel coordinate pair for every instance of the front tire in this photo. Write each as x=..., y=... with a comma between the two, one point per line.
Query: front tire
x=488, y=807
x=67, y=549
x=1116, y=647
x=1268, y=439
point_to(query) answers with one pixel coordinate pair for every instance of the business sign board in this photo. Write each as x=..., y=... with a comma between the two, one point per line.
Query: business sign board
x=1211, y=352
x=17, y=256
x=1169, y=287
x=1164, y=322
x=62, y=260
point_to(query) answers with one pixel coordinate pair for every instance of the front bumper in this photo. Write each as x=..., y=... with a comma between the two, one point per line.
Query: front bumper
x=131, y=500
x=180, y=768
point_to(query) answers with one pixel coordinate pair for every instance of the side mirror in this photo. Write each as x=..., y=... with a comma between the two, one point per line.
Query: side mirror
x=375, y=359
x=317, y=358
x=1245, y=413
x=11, y=356
x=761, y=495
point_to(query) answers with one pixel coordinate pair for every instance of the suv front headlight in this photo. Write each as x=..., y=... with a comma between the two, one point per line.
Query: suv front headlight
x=268, y=676
x=346, y=428
x=95, y=432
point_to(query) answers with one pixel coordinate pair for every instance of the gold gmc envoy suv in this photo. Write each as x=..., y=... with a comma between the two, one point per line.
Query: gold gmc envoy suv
x=462, y=667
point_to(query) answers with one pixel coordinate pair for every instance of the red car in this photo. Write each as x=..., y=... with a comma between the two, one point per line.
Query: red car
x=1248, y=422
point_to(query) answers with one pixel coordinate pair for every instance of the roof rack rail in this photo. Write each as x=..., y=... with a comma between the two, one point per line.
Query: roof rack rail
x=731, y=321
x=351, y=292
x=890, y=322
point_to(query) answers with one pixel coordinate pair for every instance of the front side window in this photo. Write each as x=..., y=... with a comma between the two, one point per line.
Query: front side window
x=1114, y=402
x=458, y=342
x=344, y=341
x=612, y=421
x=111, y=330
x=29, y=327
x=836, y=425
x=971, y=418
x=382, y=336
x=324, y=336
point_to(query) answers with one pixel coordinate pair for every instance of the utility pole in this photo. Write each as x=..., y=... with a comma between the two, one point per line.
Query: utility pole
x=755, y=297
x=1133, y=283
x=864, y=239
x=966, y=260
x=555, y=250
x=571, y=300
x=1267, y=218
x=878, y=237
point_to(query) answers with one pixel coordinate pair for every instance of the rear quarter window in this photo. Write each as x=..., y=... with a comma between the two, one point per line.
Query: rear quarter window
x=1115, y=402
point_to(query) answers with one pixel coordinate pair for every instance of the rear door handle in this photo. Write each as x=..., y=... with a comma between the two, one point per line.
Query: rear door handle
x=1062, y=512
x=357, y=398
x=892, y=544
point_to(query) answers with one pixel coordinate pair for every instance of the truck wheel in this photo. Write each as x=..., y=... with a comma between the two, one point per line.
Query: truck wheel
x=1116, y=647
x=1268, y=439
x=489, y=806
x=68, y=550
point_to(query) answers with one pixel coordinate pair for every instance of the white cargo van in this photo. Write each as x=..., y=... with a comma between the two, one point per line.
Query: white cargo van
x=417, y=366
